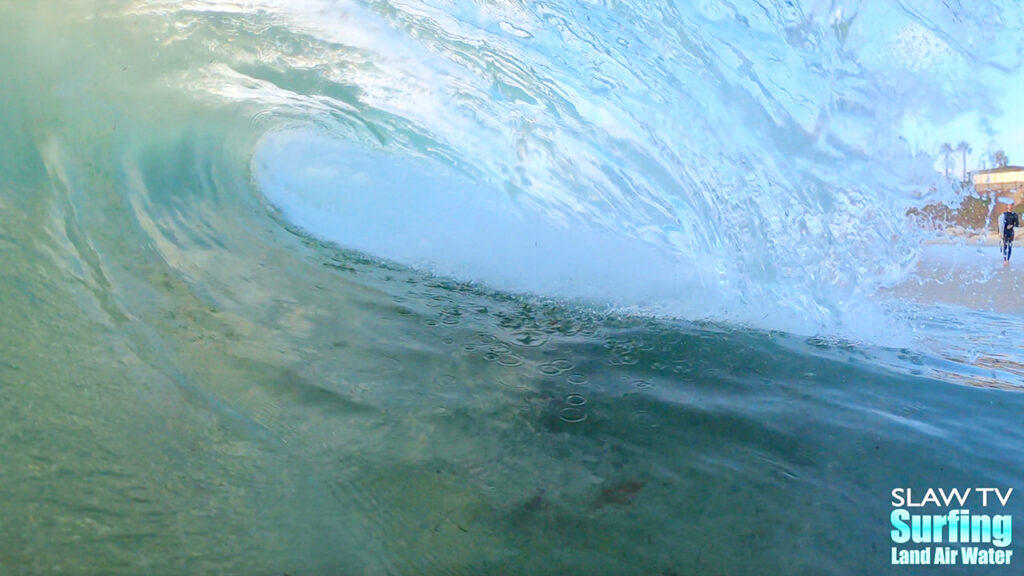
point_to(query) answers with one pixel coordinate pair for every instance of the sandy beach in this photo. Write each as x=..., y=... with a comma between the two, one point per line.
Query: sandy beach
x=967, y=273
x=964, y=302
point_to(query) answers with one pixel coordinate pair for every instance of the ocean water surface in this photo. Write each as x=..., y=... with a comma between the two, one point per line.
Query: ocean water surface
x=491, y=287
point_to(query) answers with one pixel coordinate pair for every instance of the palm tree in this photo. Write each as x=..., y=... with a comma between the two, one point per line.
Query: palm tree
x=964, y=148
x=1000, y=159
x=946, y=150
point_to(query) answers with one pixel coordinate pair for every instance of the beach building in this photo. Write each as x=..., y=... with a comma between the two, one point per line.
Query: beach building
x=999, y=184
x=999, y=180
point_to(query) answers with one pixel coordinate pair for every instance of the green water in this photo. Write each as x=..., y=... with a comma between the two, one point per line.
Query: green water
x=190, y=385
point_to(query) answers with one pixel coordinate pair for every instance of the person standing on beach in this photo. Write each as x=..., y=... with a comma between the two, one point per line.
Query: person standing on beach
x=1007, y=221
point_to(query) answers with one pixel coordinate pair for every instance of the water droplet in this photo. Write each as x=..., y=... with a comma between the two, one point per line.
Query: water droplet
x=644, y=419
x=576, y=378
x=563, y=364
x=575, y=400
x=548, y=370
x=500, y=348
x=509, y=360
x=572, y=415
x=556, y=367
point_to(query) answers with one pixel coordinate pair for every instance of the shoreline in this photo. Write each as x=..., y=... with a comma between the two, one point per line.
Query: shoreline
x=968, y=273
x=953, y=238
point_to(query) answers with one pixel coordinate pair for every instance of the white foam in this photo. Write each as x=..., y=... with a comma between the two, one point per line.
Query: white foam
x=421, y=214
x=424, y=215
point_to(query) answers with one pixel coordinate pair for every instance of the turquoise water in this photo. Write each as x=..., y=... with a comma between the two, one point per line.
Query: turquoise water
x=460, y=288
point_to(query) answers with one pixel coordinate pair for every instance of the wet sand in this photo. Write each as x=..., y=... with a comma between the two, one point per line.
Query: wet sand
x=969, y=274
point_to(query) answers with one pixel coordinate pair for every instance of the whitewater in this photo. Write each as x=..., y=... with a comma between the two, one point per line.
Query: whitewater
x=492, y=287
